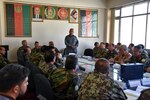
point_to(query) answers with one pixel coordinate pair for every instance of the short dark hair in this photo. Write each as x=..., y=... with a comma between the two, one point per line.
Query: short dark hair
x=71, y=62
x=102, y=66
x=142, y=46
x=23, y=41
x=49, y=56
x=11, y=75
x=118, y=43
x=131, y=44
x=36, y=42
x=138, y=47
x=96, y=43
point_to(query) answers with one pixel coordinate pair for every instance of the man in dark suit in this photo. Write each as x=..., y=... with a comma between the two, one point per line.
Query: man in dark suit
x=37, y=13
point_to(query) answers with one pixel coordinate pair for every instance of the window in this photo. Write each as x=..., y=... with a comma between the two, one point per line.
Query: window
x=125, y=36
x=148, y=34
x=149, y=8
x=117, y=12
x=127, y=11
x=140, y=8
x=139, y=27
x=131, y=25
x=88, y=23
x=116, y=35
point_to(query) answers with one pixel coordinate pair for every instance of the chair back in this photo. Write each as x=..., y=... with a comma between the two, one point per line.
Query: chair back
x=43, y=87
x=88, y=52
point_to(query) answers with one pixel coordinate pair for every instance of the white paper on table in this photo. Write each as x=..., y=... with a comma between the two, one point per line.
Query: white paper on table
x=145, y=81
x=134, y=83
x=147, y=75
x=141, y=88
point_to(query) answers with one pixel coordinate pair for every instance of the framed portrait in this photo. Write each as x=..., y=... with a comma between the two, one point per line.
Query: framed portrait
x=73, y=15
x=63, y=13
x=50, y=12
x=37, y=14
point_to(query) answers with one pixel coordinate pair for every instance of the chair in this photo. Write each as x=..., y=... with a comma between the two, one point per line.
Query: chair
x=88, y=52
x=43, y=87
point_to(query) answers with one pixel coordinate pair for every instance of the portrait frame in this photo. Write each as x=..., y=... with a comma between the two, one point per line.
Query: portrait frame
x=73, y=15
x=50, y=12
x=39, y=10
x=63, y=13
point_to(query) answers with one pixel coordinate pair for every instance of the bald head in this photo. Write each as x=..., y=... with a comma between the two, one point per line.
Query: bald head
x=71, y=31
x=102, y=66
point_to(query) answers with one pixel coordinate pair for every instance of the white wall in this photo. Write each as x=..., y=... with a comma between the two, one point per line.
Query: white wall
x=54, y=30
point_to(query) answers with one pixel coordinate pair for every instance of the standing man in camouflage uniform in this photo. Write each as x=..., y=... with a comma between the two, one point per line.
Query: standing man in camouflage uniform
x=3, y=60
x=71, y=42
x=98, y=86
x=21, y=54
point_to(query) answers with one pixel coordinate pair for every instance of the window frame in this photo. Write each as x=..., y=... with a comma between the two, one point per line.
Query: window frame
x=120, y=17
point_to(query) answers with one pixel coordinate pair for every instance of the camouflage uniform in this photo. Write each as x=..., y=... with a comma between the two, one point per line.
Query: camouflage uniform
x=101, y=53
x=21, y=55
x=46, y=68
x=35, y=50
x=96, y=86
x=3, y=61
x=138, y=59
x=95, y=51
x=110, y=54
x=64, y=83
x=36, y=57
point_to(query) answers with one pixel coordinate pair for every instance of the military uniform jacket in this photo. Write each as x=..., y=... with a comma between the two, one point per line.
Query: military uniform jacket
x=96, y=86
x=3, y=61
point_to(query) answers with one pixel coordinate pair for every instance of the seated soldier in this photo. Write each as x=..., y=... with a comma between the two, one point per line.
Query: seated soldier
x=111, y=51
x=147, y=66
x=98, y=86
x=123, y=55
x=27, y=56
x=101, y=53
x=137, y=56
x=144, y=52
x=117, y=46
x=21, y=53
x=130, y=48
x=51, y=45
x=38, y=57
x=65, y=81
x=59, y=60
x=13, y=81
x=96, y=48
x=3, y=60
x=48, y=65
x=37, y=47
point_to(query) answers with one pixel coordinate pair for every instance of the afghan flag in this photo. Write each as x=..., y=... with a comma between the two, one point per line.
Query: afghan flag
x=18, y=20
x=88, y=23
x=18, y=24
